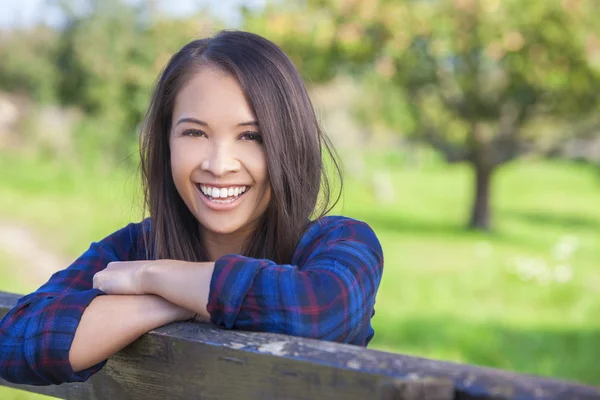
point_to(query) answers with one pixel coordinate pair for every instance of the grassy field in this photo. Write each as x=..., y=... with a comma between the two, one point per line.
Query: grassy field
x=525, y=297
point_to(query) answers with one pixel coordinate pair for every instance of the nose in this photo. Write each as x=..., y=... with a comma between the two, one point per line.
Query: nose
x=220, y=160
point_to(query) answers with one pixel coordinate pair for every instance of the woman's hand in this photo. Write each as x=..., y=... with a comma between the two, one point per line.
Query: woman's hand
x=121, y=277
x=186, y=284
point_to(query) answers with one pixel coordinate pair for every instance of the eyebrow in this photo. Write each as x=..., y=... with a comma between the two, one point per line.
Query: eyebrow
x=199, y=122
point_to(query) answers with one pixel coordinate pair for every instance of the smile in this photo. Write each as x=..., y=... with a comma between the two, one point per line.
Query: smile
x=222, y=195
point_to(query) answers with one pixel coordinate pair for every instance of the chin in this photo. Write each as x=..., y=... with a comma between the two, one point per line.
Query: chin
x=221, y=230
x=221, y=226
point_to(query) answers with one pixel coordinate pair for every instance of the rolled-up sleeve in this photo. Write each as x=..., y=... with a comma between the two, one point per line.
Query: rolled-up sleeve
x=329, y=295
x=36, y=335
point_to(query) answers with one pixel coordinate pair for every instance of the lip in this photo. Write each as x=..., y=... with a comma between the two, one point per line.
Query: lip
x=218, y=206
x=221, y=185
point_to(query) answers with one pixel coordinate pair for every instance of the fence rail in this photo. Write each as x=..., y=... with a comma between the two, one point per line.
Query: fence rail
x=195, y=361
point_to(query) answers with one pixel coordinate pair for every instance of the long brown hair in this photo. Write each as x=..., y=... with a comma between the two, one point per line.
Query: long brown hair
x=293, y=140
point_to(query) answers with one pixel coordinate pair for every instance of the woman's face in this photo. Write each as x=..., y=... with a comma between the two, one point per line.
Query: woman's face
x=217, y=157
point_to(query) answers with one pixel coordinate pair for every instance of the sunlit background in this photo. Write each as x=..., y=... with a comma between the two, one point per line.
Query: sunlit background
x=468, y=130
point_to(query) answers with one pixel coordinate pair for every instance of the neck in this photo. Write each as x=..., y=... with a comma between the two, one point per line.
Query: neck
x=218, y=245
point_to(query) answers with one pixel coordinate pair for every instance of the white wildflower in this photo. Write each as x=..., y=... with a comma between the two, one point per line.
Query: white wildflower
x=563, y=273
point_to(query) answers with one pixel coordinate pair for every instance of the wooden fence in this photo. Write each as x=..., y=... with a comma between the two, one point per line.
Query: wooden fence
x=195, y=361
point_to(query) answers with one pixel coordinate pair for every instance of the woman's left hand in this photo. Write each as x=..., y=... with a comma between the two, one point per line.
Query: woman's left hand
x=121, y=277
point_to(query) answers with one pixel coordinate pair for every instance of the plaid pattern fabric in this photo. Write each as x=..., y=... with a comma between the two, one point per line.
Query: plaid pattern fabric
x=327, y=292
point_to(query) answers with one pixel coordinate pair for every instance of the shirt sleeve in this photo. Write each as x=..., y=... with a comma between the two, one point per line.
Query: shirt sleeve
x=330, y=296
x=36, y=335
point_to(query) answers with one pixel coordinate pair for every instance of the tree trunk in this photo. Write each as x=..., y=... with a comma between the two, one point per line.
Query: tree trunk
x=480, y=212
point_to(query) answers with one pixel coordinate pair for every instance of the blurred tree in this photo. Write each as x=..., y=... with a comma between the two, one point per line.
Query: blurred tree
x=110, y=56
x=27, y=63
x=104, y=60
x=482, y=81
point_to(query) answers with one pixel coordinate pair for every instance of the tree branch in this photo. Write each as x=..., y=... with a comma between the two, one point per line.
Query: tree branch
x=587, y=132
x=452, y=152
x=428, y=134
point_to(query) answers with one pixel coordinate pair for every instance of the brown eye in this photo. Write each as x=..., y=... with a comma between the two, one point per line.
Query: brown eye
x=193, y=132
x=253, y=136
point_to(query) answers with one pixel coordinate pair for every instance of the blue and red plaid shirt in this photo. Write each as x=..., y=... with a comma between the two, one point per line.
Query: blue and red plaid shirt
x=327, y=292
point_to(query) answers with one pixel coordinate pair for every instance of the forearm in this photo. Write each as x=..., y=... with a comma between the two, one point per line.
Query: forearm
x=110, y=323
x=183, y=283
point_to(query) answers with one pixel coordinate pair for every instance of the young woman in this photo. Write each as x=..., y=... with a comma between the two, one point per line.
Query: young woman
x=232, y=170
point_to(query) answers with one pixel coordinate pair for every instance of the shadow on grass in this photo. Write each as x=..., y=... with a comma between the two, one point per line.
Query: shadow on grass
x=409, y=224
x=558, y=220
x=414, y=226
x=564, y=354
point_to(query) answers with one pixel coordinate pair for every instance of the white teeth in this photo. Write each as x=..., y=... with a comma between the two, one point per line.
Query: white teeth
x=223, y=193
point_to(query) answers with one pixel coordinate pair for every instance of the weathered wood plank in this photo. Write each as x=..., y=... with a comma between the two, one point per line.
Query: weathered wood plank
x=188, y=361
x=430, y=389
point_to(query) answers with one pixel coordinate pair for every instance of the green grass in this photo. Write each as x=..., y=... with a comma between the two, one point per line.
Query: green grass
x=13, y=394
x=447, y=293
x=452, y=294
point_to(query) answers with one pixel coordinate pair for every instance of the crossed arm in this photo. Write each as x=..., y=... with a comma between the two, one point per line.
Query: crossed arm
x=66, y=330
x=151, y=294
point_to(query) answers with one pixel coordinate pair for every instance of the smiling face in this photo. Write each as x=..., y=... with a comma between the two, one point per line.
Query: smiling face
x=218, y=160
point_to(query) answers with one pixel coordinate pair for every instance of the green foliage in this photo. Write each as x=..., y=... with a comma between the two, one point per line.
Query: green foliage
x=110, y=59
x=471, y=78
x=498, y=64
x=104, y=61
x=27, y=64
